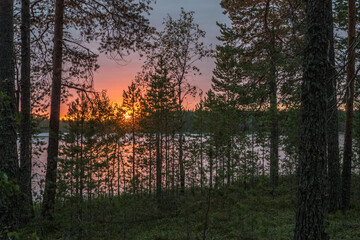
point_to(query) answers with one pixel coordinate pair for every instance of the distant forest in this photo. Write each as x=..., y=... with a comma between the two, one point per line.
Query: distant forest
x=190, y=126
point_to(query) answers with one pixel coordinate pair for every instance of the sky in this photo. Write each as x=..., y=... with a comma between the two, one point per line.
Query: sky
x=116, y=77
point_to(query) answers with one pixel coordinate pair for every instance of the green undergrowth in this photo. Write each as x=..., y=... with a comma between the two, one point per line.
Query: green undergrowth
x=256, y=212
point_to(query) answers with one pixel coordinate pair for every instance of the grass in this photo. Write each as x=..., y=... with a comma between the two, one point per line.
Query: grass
x=235, y=213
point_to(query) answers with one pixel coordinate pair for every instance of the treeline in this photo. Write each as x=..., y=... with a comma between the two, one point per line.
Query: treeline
x=189, y=121
x=254, y=117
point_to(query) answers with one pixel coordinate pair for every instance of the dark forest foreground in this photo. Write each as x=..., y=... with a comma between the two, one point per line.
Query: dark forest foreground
x=235, y=212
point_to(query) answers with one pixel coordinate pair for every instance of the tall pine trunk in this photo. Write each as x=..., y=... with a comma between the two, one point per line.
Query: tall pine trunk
x=274, y=123
x=274, y=134
x=181, y=162
x=181, y=141
x=150, y=163
x=8, y=138
x=332, y=121
x=311, y=196
x=158, y=167
x=201, y=161
x=25, y=126
x=133, y=148
x=53, y=147
x=350, y=78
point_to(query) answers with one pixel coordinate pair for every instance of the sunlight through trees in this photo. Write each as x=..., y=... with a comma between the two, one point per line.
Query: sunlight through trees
x=269, y=151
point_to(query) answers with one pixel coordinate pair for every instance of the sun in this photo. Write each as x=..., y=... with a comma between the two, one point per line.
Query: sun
x=127, y=116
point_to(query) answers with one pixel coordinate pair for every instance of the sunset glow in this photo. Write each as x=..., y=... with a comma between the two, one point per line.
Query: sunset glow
x=127, y=116
x=115, y=76
x=179, y=119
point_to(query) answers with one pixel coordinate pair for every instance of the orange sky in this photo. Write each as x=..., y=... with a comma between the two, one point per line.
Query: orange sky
x=115, y=77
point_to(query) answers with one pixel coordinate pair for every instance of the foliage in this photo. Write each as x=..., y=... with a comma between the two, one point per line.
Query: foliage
x=9, y=189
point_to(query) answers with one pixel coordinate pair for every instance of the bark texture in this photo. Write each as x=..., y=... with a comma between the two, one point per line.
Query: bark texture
x=350, y=79
x=8, y=138
x=25, y=125
x=332, y=121
x=53, y=147
x=311, y=196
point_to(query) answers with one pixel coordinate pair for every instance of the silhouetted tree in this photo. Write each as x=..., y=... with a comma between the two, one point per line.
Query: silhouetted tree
x=53, y=147
x=349, y=96
x=180, y=46
x=25, y=126
x=131, y=104
x=267, y=58
x=159, y=103
x=312, y=192
x=9, y=164
x=119, y=26
x=332, y=121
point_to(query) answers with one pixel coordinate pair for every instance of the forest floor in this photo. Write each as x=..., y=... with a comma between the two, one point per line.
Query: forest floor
x=233, y=213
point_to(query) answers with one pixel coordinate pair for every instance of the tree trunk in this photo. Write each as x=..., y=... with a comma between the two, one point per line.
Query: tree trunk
x=158, y=168
x=181, y=157
x=166, y=152
x=350, y=78
x=118, y=168
x=133, y=150
x=311, y=196
x=53, y=148
x=274, y=135
x=332, y=122
x=210, y=167
x=25, y=126
x=201, y=162
x=8, y=138
x=173, y=163
x=150, y=164
x=229, y=167
x=274, y=123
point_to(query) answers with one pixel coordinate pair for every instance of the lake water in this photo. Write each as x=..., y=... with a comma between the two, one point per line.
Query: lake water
x=39, y=159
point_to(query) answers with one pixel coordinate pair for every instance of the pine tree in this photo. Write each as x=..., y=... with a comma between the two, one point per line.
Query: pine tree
x=131, y=104
x=332, y=122
x=160, y=103
x=25, y=126
x=53, y=148
x=113, y=37
x=180, y=44
x=350, y=80
x=312, y=191
x=9, y=166
x=266, y=57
